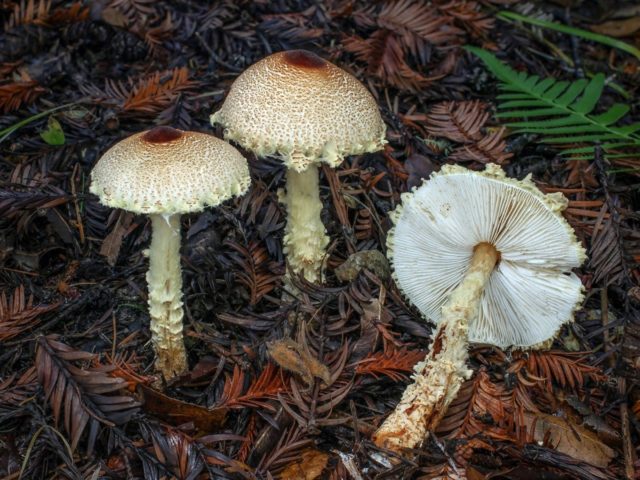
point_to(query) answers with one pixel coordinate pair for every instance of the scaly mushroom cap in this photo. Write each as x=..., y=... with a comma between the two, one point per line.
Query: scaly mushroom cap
x=531, y=291
x=165, y=170
x=303, y=108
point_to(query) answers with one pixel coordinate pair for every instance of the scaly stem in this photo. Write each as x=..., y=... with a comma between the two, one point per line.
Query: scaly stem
x=165, y=295
x=439, y=376
x=305, y=240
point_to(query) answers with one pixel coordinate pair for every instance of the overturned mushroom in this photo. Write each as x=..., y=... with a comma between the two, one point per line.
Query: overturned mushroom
x=307, y=111
x=164, y=173
x=489, y=259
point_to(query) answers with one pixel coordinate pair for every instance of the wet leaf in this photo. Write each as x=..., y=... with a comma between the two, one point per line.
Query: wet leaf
x=176, y=412
x=569, y=438
x=53, y=135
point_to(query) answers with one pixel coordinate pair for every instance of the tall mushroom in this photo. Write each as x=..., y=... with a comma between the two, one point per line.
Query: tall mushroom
x=164, y=173
x=307, y=111
x=489, y=259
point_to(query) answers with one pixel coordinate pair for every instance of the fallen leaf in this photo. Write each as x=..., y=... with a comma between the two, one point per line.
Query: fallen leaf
x=110, y=247
x=582, y=413
x=294, y=358
x=309, y=467
x=372, y=260
x=618, y=28
x=419, y=168
x=176, y=412
x=114, y=17
x=571, y=439
x=53, y=134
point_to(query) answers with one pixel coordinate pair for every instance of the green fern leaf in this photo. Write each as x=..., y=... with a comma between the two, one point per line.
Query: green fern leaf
x=561, y=112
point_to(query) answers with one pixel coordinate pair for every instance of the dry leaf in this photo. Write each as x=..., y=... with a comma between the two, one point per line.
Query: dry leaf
x=618, y=28
x=392, y=363
x=571, y=439
x=110, y=247
x=114, y=17
x=294, y=358
x=266, y=386
x=309, y=467
x=175, y=412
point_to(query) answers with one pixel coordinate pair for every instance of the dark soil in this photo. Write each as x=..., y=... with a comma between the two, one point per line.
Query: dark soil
x=77, y=392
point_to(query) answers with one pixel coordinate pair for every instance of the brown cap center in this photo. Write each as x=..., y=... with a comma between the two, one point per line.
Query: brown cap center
x=304, y=59
x=162, y=135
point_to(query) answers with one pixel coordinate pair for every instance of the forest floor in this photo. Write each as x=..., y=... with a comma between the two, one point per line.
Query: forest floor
x=77, y=396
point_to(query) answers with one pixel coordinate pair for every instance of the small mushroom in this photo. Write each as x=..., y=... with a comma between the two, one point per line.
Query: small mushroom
x=164, y=173
x=489, y=259
x=307, y=111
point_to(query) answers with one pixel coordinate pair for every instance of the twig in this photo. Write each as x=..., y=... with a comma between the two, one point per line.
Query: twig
x=629, y=452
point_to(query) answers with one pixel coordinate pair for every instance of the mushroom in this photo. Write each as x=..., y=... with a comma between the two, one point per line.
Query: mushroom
x=164, y=173
x=489, y=259
x=307, y=111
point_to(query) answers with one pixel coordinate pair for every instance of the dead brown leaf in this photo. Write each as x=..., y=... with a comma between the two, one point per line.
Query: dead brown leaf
x=175, y=412
x=295, y=358
x=570, y=438
x=618, y=28
x=111, y=245
x=309, y=467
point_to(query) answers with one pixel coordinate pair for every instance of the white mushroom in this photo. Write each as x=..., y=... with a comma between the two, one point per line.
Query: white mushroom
x=164, y=173
x=307, y=111
x=489, y=259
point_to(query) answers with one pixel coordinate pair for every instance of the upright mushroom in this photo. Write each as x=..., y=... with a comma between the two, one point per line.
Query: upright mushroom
x=307, y=111
x=489, y=259
x=164, y=173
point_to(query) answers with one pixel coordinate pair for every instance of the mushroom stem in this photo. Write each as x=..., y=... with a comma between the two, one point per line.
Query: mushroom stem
x=305, y=240
x=165, y=295
x=439, y=376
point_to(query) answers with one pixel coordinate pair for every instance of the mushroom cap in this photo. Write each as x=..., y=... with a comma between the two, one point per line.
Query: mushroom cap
x=167, y=171
x=531, y=291
x=303, y=108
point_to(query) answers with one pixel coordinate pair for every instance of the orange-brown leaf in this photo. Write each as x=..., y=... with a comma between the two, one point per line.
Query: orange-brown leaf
x=156, y=92
x=309, y=465
x=481, y=407
x=265, y=387
x=28, y=12
x=393, y=363
x=15, y=95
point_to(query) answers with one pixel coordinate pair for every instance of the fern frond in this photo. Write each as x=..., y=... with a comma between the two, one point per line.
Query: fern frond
x=561, y=112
